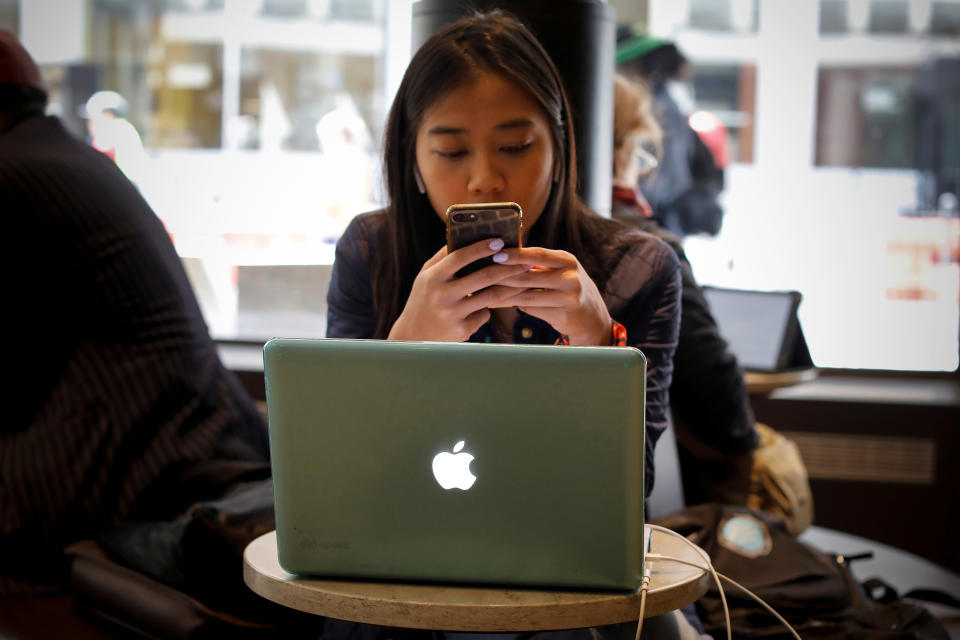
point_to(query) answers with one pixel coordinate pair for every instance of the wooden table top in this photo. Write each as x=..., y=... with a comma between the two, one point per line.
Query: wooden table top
x=469, y=608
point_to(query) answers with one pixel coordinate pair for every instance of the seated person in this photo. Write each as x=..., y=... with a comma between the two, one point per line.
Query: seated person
x=119, y=393
x=481, y=116
x=708, y=398
x=683, y=191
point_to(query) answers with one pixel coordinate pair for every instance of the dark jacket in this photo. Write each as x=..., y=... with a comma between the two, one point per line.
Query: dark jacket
x=117, y=384
x=642, y=293
x=708, y=395
x=683, y=191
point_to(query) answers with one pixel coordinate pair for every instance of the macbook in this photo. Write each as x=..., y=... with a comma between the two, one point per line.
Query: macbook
x=471, y=463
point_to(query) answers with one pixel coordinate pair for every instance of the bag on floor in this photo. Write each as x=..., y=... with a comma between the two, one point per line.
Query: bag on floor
x=814, y=590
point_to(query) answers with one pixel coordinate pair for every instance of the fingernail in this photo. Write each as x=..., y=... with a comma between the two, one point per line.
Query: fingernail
x=527, y=267
x=496, y=244
x=500, y=257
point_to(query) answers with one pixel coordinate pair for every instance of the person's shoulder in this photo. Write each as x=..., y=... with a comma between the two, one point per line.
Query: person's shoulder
x=365, y=227
x=363, y=235
x=640, y=259
x=41, y=143
x=643, y=271
x=633, y=242
x=369, y=221
x=649, y=225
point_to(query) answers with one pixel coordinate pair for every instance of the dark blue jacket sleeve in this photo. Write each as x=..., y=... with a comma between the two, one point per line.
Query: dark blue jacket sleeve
x=350, y=296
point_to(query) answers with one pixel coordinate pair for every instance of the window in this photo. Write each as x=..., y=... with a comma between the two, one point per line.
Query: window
x=833, y=16
x=841, y=180
x=9, y=15
x=893, y=17
x=728, y=91
x=889, y=16
x=723, y=15
x=247, y=109
x=865, y=117
x=945, y=18
x=258, y=122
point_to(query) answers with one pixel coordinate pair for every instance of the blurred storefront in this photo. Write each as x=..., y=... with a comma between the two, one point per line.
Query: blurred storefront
x=261, y=123
x=831, y=190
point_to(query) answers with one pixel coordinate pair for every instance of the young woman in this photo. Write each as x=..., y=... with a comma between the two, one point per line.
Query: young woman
x=481, y=116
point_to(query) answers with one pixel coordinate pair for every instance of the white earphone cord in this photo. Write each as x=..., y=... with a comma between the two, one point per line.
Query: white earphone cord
x=716, y=577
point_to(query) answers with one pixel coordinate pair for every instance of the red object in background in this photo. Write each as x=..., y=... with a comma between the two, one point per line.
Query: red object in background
x=713, y=134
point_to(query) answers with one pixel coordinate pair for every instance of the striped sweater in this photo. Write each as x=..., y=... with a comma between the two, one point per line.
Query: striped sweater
x=117, y=384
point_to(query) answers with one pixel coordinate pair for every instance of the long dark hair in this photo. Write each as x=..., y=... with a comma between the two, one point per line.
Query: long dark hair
x=494, y=42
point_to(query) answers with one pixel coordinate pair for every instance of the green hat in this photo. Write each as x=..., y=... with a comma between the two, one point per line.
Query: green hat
x=636, y=45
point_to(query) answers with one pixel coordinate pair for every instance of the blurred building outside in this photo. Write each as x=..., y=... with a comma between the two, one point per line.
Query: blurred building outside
x=262, y=124
x=821, y=195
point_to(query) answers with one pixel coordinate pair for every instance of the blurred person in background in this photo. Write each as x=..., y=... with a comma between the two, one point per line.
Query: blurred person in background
x=112, y=134
x=683, y=191
x=347, y=166
x=121, y=411
x=708, y=399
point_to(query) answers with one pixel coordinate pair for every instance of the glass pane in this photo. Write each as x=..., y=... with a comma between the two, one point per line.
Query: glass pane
x=723, y=15
x=191, y=5
x=250, y=127
x=365, y=10
x=710, y=14
x=833, y=16
x=10, y=15
x=865, y=118
x=285, y=95
x=945, y=18
x=937, y=105
x=729, y=93
x=188, y=82
x=284, y=8
x=889, y=16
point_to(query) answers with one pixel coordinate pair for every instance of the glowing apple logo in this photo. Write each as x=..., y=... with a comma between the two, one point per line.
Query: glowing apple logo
x=452, y=470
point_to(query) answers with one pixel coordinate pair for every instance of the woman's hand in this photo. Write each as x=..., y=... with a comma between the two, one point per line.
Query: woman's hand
x=559, y=291
x=444, y=308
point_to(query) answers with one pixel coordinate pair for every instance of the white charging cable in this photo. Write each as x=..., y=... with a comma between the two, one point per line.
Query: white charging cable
x=708, y=568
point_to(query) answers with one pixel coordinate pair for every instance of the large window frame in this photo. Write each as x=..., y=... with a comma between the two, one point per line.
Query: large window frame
x=831, y=233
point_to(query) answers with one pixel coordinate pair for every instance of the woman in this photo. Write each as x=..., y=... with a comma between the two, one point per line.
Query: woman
x=635, y=133
x=714, y=423
x=481, y=116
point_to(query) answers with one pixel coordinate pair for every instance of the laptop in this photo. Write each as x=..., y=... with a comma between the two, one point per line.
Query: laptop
x=761, y=327
x=495, y=464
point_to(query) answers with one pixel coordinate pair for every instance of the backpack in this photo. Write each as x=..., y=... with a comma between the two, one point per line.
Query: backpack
x=813, y=590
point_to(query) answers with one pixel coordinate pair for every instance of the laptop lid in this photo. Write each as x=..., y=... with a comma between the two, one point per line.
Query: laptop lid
x=761, y=327
x=477, y=463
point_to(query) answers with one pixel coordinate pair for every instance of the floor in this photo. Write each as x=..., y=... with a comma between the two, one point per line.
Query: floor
x=901, y=570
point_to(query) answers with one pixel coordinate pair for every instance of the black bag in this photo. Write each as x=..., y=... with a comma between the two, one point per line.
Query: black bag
x=812, y=589
x=183, y=578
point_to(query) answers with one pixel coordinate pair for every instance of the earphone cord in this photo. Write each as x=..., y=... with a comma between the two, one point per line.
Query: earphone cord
x=716, y=576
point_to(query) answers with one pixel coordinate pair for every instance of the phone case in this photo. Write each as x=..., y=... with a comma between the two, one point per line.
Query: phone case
x=467, y=224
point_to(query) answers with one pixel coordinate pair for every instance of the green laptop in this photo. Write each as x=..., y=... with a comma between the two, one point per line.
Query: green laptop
x=501, y=464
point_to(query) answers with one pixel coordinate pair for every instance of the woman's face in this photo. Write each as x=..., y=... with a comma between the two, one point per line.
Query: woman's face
x=486, y=141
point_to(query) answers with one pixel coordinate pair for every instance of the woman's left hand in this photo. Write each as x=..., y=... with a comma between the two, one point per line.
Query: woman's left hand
x=561, y=293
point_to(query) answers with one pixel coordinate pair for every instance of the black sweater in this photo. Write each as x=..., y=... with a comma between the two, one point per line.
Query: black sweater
x=117, y=383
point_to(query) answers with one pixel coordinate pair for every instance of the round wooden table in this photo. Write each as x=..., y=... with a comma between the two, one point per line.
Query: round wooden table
x=468, y=608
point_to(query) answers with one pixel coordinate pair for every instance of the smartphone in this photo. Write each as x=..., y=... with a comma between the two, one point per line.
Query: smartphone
x=469, y=223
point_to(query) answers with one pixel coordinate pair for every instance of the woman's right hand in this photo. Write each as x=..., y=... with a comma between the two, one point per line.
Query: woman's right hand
x=444, y=308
